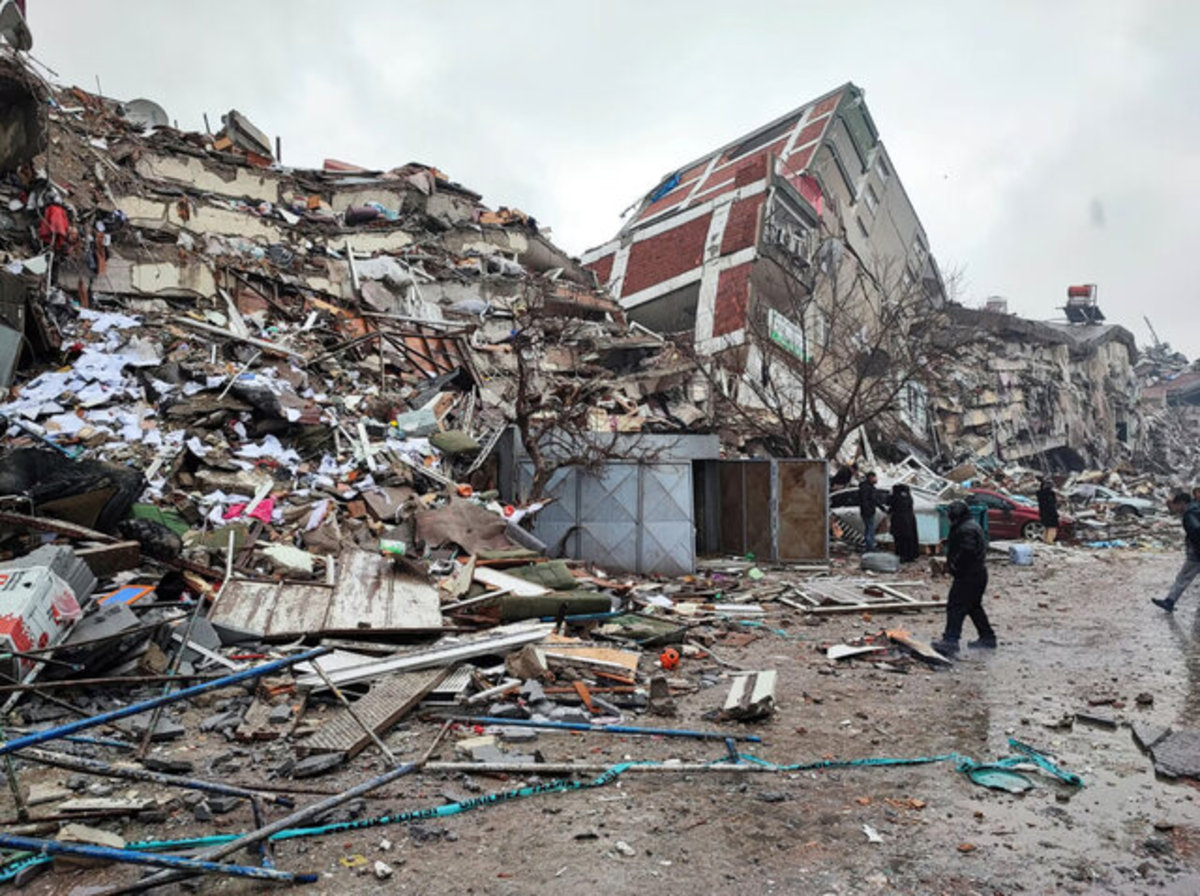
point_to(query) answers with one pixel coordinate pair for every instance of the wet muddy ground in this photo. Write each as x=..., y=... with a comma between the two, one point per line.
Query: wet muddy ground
x=1078, y=635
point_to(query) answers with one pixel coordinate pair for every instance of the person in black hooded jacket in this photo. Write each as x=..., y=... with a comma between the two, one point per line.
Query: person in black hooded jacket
x=1048, y=511
x=904, y=523
x=966, y=553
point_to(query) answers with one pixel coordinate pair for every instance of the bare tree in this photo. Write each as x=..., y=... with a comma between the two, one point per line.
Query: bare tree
x=554, y=410
x=830, y=348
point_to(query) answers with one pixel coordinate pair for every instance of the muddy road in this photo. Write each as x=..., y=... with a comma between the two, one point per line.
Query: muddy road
x=1078, y=635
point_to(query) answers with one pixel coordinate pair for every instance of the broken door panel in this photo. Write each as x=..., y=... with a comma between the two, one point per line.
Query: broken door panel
x=803, y=510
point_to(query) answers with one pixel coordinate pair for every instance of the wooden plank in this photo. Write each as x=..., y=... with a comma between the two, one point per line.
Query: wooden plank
x=920, y=648
x=381, y=708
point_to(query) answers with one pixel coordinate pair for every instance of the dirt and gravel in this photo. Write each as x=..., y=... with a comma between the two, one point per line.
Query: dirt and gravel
x=1078, y=635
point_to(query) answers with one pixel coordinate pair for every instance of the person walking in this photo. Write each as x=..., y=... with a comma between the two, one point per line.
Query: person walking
x=868, y=501
x=904, y=523
x=1048, y=511
x=966, y=553
x=1189, y=509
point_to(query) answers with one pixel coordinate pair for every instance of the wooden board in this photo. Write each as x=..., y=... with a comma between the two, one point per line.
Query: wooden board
x=381, y=708
x=829, y=596
x=920, y=648
x=368, y=596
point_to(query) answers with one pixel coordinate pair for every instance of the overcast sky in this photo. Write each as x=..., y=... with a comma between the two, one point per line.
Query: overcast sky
x=1042, y=144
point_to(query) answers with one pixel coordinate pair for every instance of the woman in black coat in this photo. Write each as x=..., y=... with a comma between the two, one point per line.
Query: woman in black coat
x=904, y=524
x=1048, y=511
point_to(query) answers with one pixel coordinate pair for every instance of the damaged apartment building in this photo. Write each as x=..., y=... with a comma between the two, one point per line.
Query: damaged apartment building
x=740, y=253
x=185, y=308
x=1060, y=395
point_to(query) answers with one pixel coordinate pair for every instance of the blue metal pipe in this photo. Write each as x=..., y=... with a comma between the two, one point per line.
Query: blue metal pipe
x=154, y=860
x=31, y=740
x=611, y=729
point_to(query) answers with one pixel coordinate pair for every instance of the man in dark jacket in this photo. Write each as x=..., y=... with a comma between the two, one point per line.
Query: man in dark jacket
x=966, y=552
x=1189, y=509
x=1048, y=511
x=868, y=501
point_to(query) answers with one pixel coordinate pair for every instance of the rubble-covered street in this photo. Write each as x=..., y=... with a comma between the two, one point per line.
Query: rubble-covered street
x=1078, y=655
x=357, y=537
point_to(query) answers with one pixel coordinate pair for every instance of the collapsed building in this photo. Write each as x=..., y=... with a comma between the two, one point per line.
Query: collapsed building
x=1053, y=395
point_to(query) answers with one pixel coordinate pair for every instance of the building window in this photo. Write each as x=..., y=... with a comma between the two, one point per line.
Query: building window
x=862, y=228
x=884, y=171
x=872, y=198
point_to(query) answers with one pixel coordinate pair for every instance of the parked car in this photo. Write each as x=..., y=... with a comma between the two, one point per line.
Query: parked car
x=843, y=507
x=1086, y=495
x=1012, y=517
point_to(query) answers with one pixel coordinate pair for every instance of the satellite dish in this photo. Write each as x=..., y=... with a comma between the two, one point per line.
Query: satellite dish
x=145, y=114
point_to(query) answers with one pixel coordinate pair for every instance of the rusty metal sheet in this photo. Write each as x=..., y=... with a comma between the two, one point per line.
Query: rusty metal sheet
x=367, y=596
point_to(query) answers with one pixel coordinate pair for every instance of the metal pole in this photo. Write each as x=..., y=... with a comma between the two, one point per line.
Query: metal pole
x=590, y=768
x=253, y=837
x=155, y=860
x=40, y=737
x=608, y=729
x=108, y=770
x=144, y=748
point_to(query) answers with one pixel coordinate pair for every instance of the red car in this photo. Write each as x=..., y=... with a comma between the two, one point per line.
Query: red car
x=1014, y=518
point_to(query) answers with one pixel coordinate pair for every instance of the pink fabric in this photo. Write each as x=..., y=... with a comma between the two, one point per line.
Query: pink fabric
x=262, y=512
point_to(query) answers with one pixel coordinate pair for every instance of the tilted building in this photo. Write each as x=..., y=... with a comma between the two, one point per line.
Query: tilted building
x=691, y=256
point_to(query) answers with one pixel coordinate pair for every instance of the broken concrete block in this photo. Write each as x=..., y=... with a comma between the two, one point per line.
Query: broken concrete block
x=81, y=833
x=289, y=559
x=1096, y=720
x=517, y=735
x=222, y=721
x=311, y=766
x=202, y=811
x=164, y=728
x=281, y=714
x=468, y=746
x=533, y=692
x=169, y=766
x=507, y=711
x=1177, y=755
x=570, y=714
x=222, y=805
x=751, y=696
x=1146, y=735
x=661, y=701
x=383, y=870
x=40, y=794
x=527, y=663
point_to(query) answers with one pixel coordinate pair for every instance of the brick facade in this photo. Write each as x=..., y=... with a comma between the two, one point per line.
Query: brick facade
x=602, y=267
x=666, y=255
x=733, y=298
x=741, y=230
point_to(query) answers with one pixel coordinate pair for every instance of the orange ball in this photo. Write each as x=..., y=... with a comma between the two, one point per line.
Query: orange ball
x=669, y=658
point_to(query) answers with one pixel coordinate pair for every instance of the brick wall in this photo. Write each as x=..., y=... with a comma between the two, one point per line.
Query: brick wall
x=741, y=230
x=733, y=298
x=603, y=267
x=666, y=255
